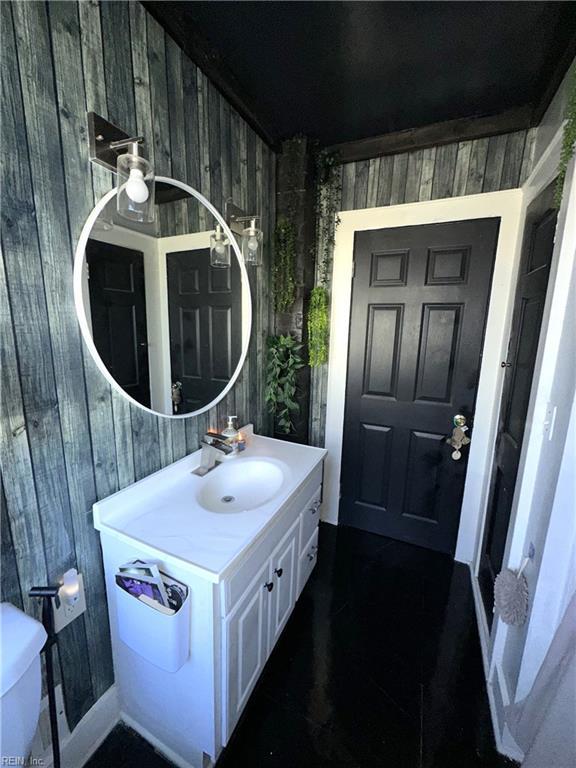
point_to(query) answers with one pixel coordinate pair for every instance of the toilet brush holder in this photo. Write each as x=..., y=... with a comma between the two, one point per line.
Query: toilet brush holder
x=46, y=594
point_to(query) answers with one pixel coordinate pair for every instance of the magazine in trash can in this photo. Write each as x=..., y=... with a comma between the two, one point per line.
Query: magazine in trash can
x=153, y=614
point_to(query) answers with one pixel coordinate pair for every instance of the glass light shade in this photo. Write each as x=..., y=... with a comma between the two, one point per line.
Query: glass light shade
x=135, y=185
x=252, y=245
x=219, y=248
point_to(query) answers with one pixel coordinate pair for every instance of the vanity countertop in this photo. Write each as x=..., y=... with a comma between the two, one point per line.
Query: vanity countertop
x=161, y=513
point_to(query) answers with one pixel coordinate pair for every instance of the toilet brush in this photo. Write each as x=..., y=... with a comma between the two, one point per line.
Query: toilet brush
x=46, y=594
x=511, y=595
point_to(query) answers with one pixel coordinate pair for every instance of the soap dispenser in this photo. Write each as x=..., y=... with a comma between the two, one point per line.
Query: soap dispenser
x=233, y=436
x=230, y=433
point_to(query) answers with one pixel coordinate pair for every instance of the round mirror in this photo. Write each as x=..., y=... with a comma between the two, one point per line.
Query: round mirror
x=167, y=328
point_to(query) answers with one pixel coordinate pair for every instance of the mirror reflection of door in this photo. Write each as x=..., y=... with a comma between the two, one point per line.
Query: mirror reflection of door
x=205, y=319
x=118, y=315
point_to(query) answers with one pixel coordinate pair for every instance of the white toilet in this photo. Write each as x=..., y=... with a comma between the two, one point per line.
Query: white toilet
x=21, y=640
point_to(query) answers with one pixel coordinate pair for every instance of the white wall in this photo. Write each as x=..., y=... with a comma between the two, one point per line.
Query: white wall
x=557, y=579
x=554, y=115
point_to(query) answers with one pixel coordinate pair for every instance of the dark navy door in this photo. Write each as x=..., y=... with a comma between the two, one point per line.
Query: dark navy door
x=419, y=304
x=537, y=249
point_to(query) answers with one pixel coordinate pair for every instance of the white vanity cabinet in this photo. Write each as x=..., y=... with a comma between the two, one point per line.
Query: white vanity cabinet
x=251, y=630
x=254, y=623
x=283, y=578
x=244, y=649
x=244, y=573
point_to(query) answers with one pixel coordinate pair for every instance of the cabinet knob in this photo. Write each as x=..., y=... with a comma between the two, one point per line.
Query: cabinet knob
x=311, y=556
x=269, y=586
x=315, y=508
x=278, y=572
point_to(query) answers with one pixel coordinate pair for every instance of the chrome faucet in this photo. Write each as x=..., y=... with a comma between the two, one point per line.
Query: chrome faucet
x=214, y=445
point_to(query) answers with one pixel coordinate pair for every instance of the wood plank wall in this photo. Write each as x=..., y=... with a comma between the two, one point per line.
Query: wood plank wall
x=65, y=438
x=450, y=170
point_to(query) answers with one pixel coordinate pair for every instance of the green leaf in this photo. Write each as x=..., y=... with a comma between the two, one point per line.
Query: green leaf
x=281, y=380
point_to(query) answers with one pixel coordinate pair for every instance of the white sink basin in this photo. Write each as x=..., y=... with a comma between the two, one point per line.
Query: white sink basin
x=240, y=484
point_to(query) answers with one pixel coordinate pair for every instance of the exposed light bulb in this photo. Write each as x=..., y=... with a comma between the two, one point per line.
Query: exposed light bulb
x=219, y=248
x=252, y=244
x=136, y=187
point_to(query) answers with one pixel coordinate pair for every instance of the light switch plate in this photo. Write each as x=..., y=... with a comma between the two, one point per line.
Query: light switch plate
x=64, y=613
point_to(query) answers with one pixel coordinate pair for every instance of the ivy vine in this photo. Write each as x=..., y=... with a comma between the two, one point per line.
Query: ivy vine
x=284, y=271
x=568, y=142
x=327, y=204
x=318, y=326
x=284, y=265
x=328, y=188
x=284, y=362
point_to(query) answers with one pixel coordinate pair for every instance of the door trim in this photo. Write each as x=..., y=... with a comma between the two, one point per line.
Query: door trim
x=508, y=206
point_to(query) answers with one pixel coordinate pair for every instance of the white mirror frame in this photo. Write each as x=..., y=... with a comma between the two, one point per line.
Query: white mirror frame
x=79, y=259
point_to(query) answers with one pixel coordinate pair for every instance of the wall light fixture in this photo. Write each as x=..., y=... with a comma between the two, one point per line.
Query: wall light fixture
x=251, y=236
x=219, y=248
x=252, y=244
x=114, y=149
x=134, y=182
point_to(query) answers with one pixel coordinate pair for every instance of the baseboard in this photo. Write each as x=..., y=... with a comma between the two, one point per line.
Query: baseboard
x=499, y=695
x=496, y=690
x=482, y=623
x=77, y=747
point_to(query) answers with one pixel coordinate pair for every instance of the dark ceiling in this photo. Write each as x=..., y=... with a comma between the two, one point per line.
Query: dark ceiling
x=343, y=71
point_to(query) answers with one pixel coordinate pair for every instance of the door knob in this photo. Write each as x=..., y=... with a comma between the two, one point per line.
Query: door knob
x=176, y=395
x=458, y=437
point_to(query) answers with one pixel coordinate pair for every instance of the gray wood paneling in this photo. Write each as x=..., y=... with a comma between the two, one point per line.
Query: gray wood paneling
x=413, y=176
x=494, y=163
x=10, y=590
x=399, y=175
x=100, y=401
x=462, y=167
x=444, y=171
x=65, y=438
x=448, y=170
x=384, y=181
x=427, y=175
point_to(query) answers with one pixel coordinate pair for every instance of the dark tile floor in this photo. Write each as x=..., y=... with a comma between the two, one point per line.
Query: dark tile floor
x=378, y=666
x=124, y=748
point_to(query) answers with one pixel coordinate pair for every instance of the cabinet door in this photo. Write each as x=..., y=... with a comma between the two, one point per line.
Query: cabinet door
x=283, y=567
x=245, y=635
x=307, y=561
